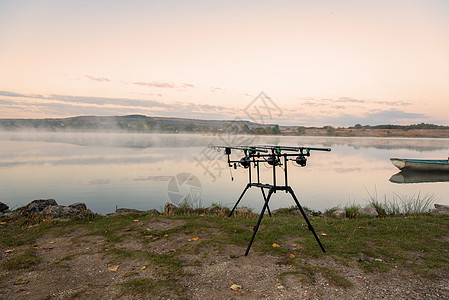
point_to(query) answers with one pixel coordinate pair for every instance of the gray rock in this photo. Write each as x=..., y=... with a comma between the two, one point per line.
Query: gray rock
x=3, y=207
x=440, y=209
x=11, y=214
x=79, y=206
x=296, y=212
x=58, y=211
x=368, y=211
x=170, y=209
x=36, y=206
x=153, y=212
x=212, y=209
x=339, y=213
x=242, y=210
x=308, y=213
x=276, y=211
x=124, y=211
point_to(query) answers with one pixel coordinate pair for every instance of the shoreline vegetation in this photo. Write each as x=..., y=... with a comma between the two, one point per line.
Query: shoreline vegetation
x=145, y=124
x=198, y=253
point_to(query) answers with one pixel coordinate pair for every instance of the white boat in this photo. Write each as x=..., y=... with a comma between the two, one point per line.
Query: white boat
x=428, y=165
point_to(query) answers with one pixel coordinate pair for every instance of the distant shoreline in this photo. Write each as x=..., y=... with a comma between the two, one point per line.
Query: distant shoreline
x=312, y=132
x=148, y=124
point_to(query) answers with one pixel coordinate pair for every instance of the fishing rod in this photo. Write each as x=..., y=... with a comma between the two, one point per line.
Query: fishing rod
x=262, y=154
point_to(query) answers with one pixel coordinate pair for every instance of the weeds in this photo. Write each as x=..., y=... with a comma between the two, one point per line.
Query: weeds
x=307, y=275
x=401, y=204
x=150, y=286
x=416, y=204
x=351, y=210
x=21, y=261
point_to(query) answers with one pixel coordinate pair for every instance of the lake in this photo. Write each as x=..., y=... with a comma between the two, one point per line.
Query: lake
x=144, y=171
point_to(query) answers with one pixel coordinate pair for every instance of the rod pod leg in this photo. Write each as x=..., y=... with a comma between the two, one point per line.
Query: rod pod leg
x=240, y=198
x=289, y=189
x=258, y=222
x=265, y=199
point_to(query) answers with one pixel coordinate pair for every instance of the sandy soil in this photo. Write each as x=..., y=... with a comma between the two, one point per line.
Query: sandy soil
x=76, y=265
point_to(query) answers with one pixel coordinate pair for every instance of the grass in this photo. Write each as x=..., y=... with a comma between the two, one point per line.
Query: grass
x=401, y=204
x=168, y=263
x=391, y=240
x=307, y=274
x=159, y=288
x=77, y=294
x=373, y=244
x=25, y=260
x=351, y=210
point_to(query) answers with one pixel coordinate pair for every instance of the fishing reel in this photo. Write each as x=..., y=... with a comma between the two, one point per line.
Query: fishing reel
x=274, y=162
x=301, y=160
x=245, y=162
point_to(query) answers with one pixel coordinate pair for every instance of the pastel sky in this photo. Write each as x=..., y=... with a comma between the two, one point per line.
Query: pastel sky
x=321, y=62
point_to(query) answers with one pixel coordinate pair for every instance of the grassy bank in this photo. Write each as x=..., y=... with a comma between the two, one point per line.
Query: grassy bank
x=415, y=244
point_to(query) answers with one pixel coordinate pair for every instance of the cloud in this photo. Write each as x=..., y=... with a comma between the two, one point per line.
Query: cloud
x=187, y=85
x=67, y=105
x=99, y=79
x=216, y=89
x=80, y=100
x=344, y=112
x=391, y=116
x=395, y=114
x=156, y=84
x=349, y=100
x=393, y=103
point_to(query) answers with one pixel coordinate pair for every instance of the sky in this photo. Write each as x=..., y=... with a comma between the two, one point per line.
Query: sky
x=305, y=63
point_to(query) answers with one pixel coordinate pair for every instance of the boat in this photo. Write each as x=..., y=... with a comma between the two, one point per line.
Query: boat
x=419, y=177
x=423, y=165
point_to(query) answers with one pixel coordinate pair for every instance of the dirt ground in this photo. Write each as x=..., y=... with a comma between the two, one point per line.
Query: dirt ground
x=76, y=266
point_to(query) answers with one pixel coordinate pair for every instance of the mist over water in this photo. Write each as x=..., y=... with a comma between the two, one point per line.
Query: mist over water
x=108, y=170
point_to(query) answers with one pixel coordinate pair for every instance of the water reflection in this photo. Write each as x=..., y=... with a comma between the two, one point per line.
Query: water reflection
x=145, y=140
x=419, y=177
x=106, y=170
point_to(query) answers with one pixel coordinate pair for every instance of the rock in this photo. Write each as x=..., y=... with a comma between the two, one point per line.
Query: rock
x=124, y=211
x=58, y=211
x=153, y=212
x=296, y=212
x=277, y=211
x=11, y=214
x=36, y=206
x=170, y=209
x=442, y=206
x=308, y=213
x=339, y=213
x=79, y=206
x=317, y=213
x=212, y=209
x=440, y=209
x=367, y=211
x=242, y=210
x=364, y=258
x=3, y=207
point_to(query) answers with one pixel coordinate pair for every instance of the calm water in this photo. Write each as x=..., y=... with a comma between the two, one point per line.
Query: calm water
x=144, y=171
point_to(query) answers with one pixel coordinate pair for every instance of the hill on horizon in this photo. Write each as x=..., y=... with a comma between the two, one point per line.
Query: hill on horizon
x=128, y=122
